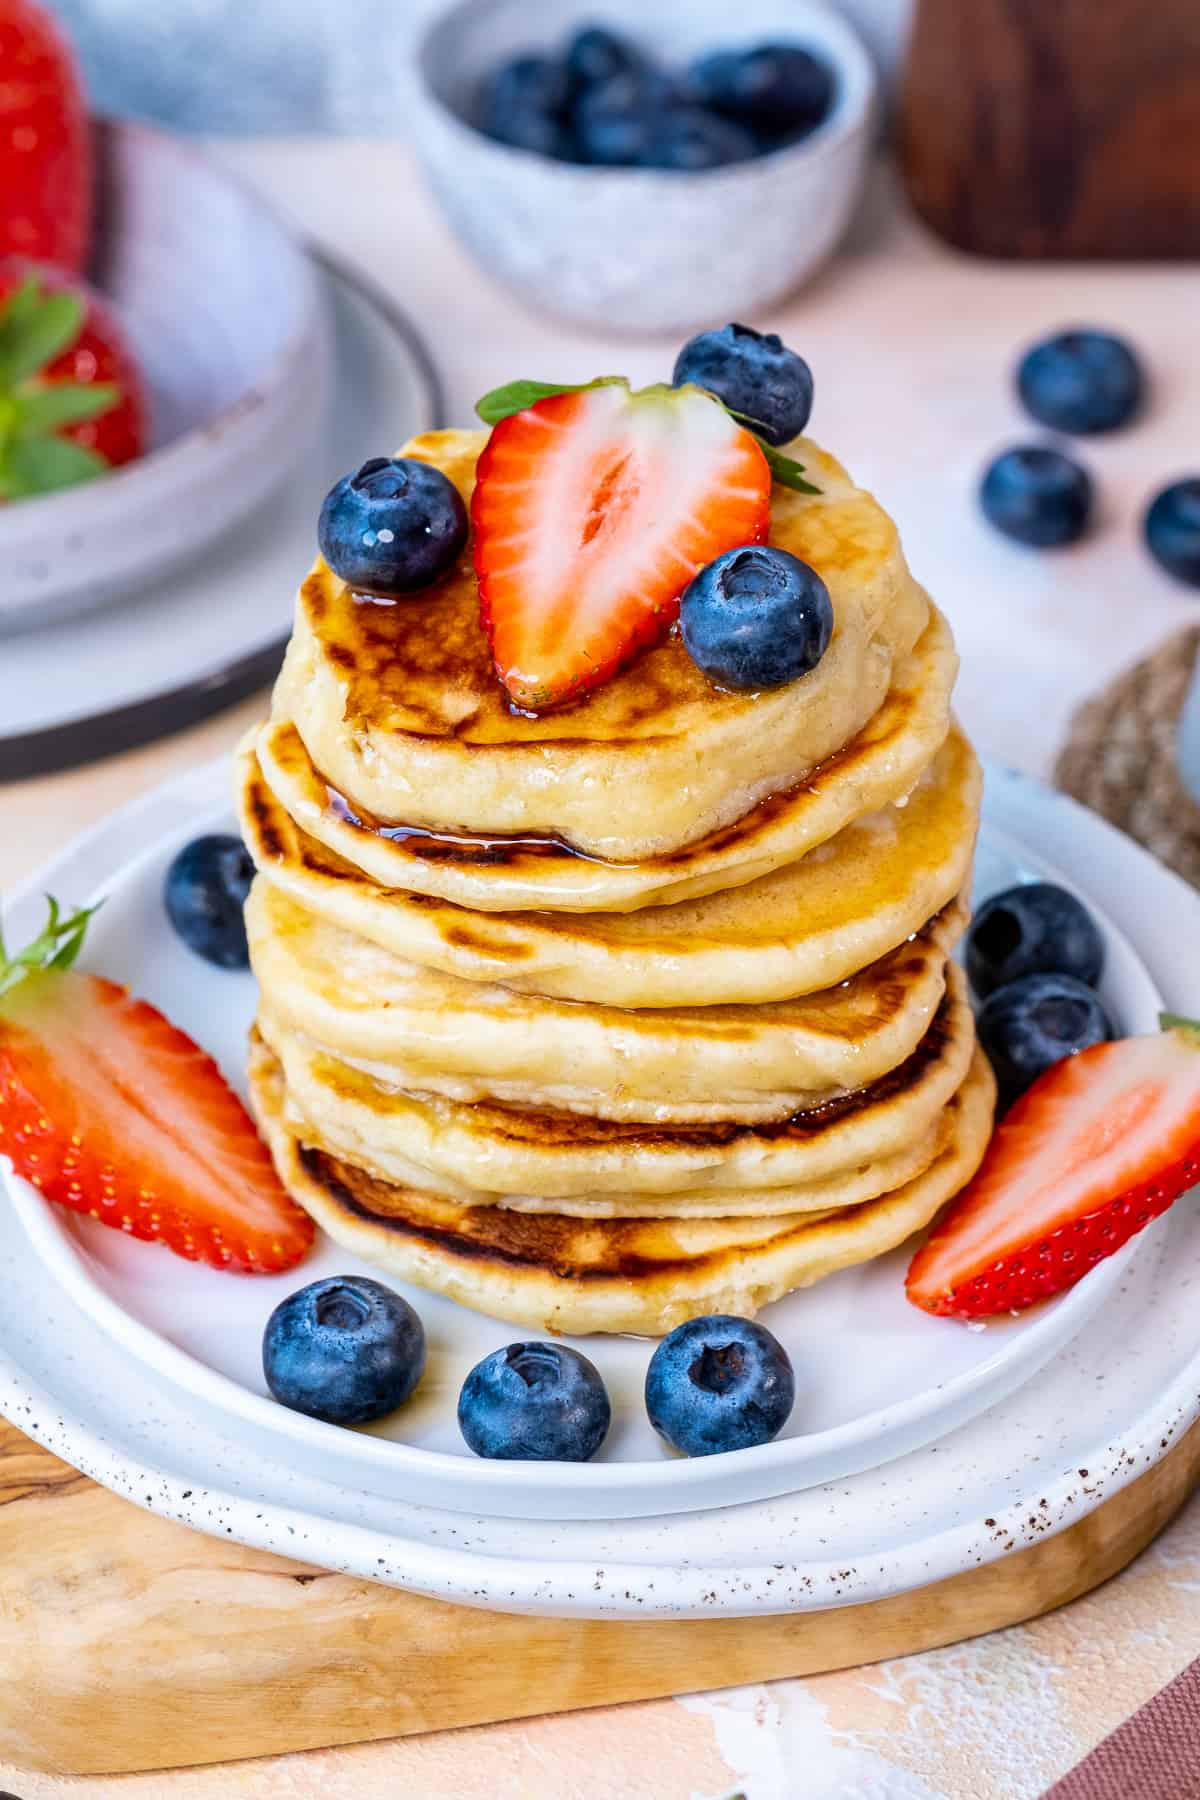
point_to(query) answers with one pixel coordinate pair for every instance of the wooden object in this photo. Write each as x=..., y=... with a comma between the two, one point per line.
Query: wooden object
x=1055, y=127
x=128, y=1642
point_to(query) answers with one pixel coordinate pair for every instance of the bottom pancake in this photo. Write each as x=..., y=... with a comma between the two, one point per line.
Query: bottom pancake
x=562, y=1274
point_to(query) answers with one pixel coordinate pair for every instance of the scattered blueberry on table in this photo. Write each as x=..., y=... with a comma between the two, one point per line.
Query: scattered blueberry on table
x=754, y=374
x=393, y=527
x=346, y=1349
x=600, y=101
x=1173, y=530
x=534, y=1403
x=1035, y=928
x=1029, y=1025
x=1081, y=381
x=205, y=897
x=756, y=617
x=1037, y=495
x=719, y=1383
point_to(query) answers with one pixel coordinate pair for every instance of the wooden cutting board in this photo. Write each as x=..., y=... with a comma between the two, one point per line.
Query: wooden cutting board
x=128, y=1642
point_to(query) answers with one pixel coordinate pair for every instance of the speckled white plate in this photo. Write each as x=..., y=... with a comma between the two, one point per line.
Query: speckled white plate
x=876, y=1377
x=1104, y=1408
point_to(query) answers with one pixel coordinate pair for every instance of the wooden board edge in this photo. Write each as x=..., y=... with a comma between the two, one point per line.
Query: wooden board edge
x=131, y=1644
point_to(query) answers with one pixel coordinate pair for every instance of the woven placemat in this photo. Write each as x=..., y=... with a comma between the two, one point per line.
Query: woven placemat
x=1119, y=757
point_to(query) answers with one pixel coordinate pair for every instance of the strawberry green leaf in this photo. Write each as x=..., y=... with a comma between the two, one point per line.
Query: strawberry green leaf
x=1179, y=1022
x=787, y=473
x=56, y=946
x=42, y=465
x=515, y=396
x=35, y=330
x=43, y=409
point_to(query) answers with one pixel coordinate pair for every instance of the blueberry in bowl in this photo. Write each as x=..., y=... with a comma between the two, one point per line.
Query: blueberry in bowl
x=346, y=1350
x=780, y=91
x=1172, y=530
x=1035, y=928
x=534, y=1403
x=524, y=104
x=1081, y=381
x=205, y=898
x=719, y=1383
x=663, y=213
x=1036, y=1021
x=1037, y=495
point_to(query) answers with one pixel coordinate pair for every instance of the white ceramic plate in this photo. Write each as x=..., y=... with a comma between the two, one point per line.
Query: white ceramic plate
x=876, y=1378
x=130, y=673
x=1107, y=1407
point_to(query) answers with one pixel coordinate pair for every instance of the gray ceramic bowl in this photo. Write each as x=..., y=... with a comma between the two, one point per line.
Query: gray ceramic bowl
x=224, y=310
x=638, y=249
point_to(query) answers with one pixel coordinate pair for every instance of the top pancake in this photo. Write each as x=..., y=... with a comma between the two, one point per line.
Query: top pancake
x=400, y=710
x=880, y=765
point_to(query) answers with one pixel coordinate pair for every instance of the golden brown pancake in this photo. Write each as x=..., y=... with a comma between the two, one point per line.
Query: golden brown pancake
x=882, y=763
x=399, y=707
x=562, y=1274
x=435, y=1033
x=485, y=1150
x=803, y=928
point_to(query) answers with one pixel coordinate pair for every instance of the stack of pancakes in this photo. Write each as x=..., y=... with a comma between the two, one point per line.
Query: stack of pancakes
x=632, y=1011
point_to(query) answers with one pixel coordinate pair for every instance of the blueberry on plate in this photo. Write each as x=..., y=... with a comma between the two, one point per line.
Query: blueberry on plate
x=1081, y=381
x=346, y=1349
x=393, y=527
x=753, y=373
x=534, y=1403
x=756, y=618
x=773, y=88
x=1031, y=1024
x=595, y=54
x=1034, y=928
x=205, y=897
x=719, y=1383
x=524, y=104
x=688, y=138
x=1173, y=530
x=1037, y=496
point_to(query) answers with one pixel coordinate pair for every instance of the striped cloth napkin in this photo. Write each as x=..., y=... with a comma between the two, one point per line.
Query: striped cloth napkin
x=1155, y=1755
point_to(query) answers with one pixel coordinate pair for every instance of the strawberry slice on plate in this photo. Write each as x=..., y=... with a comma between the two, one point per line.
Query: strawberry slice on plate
x=108, y=1109
x=1099, y=1145
x=592, y=511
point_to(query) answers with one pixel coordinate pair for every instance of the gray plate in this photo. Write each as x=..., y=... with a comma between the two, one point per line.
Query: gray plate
x=74, y=692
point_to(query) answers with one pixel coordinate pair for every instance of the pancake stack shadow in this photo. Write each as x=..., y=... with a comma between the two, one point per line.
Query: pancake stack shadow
x=640, y=1010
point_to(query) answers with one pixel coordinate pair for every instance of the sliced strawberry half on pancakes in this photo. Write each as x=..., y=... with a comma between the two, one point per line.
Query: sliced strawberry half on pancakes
x=592, y=511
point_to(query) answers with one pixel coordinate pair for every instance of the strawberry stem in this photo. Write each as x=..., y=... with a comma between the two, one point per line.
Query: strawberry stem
x=56, y=946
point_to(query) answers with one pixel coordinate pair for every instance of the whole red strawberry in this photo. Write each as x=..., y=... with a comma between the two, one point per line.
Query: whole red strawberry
x=45, y=143
x=71, y=399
